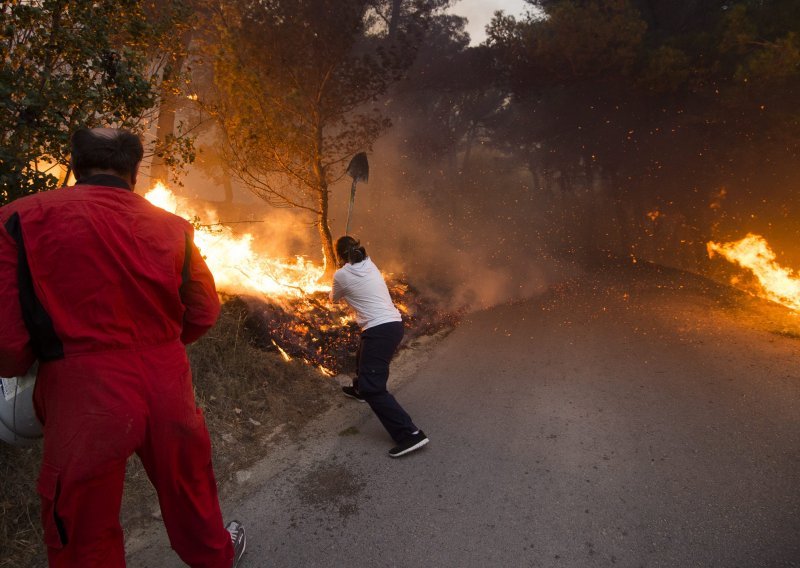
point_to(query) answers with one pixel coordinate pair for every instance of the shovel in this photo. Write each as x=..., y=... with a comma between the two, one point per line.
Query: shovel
x=358, y=169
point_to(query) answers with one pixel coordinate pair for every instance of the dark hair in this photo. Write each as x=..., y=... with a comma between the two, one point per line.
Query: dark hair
x=349, y=250
x=121, y=152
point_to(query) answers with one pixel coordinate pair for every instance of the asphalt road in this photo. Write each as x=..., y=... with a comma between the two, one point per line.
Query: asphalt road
x=602, y=424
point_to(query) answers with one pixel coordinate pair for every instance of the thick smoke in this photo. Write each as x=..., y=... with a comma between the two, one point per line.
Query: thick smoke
x=277, y=232
x=470, y=240
x=481, y=231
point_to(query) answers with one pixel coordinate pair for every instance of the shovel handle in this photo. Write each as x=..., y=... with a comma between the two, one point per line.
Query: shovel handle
x=350, y=209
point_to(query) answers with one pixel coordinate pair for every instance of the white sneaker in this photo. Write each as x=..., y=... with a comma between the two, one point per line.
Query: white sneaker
x=238, y=540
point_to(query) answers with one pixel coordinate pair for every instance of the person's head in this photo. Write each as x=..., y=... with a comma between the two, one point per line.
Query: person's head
x=349, y=250
x=106, y=151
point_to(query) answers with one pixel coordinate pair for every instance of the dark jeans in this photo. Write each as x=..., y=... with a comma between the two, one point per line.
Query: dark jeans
x=378, y=345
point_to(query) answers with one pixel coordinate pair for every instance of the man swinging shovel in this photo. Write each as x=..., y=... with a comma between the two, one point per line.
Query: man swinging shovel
x=358, y=169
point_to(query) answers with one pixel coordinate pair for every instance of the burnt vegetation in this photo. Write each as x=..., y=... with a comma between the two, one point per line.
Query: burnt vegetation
x=325, y=336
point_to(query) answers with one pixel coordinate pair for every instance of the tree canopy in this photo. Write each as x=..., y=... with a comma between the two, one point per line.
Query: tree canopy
x=666, y=103
x=628, y=115
x=297, y=85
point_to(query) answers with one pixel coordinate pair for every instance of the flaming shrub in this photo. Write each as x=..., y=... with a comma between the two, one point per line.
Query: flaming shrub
x=324, y=335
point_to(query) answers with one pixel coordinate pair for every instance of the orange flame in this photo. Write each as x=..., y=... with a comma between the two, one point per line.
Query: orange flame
x=232, y=260
x=325, y=371
x=777, y=283
x=283, y=353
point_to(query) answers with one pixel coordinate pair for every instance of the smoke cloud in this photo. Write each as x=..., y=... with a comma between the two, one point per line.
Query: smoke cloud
x=469, y=239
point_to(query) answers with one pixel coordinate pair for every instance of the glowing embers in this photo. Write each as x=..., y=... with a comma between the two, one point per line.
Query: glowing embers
x=777, y=283
x=283, y=353
x=236, y=266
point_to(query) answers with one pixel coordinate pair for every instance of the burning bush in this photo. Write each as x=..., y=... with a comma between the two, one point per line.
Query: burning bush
x=324, y=335
x=286, y=301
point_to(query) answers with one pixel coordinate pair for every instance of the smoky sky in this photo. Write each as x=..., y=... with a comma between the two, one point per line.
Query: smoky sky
x=479, y=13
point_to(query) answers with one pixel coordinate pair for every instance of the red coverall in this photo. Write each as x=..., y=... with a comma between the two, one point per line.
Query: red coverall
x=104, y=289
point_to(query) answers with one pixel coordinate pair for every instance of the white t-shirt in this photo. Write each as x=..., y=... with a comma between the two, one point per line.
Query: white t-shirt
x=361, y=285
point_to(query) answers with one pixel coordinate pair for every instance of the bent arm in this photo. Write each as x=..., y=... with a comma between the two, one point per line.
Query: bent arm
x=198, y=294
x=16, y=351
x=337, y=288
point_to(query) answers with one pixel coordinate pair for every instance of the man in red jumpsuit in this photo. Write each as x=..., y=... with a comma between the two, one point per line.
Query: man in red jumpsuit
x=104, y=289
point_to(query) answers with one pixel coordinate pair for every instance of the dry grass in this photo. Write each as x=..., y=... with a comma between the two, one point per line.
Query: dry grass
x=20, y=531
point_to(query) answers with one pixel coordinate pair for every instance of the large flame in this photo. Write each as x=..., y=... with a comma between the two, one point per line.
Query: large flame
x=777, y=283
x=231, y=258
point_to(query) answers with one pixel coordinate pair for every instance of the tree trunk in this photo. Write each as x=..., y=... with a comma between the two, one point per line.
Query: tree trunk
x=395, y=19
x=166, y=121
x=167, y=108
x=471, y=135
x=328, y=255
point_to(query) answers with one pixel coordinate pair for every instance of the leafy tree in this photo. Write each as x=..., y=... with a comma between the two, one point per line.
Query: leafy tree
x=173, y=147
x=396, y=19
x=297, y=86
x=66, y=64
x=663, y=101
x=445, y=103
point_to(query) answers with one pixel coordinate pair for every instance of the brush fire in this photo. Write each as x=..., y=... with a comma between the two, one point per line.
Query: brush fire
x=775, y=282
x=286, y=300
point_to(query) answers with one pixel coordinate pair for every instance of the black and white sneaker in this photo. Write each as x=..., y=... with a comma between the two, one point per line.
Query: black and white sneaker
x=352, y=392
x=410, y=444
x=238, y=539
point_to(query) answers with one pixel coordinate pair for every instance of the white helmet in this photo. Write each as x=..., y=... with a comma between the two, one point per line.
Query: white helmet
x=18, y=423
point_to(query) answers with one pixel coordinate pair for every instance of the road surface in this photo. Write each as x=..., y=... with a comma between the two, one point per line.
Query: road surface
x=653, y=423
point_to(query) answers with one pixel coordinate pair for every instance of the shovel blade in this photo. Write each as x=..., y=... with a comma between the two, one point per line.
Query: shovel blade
x=358, y=168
